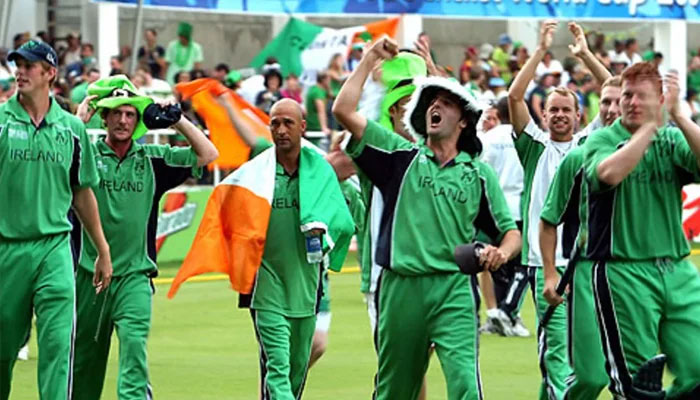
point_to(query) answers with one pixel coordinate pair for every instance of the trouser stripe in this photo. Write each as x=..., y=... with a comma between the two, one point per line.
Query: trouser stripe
x=264, y=390
x=616, y=366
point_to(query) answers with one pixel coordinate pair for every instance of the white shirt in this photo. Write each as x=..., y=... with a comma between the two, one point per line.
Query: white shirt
x=499, y=152
x=636, y=58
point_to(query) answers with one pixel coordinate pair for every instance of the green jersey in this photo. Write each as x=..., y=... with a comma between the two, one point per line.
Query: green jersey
x=286, y=282
x=428, y=209
x=39, y=168
x=128, y=196
x=640, y=218
x=540, y=156
x=312, y=121
x=564, y=205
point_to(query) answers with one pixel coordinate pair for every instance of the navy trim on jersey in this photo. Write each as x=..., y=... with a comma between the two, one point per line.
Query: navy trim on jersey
x=75, y=163
x=601, y=206
x=570, y=218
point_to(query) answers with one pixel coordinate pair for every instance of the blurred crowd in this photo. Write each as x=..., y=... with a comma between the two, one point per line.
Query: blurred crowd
x=487, y=70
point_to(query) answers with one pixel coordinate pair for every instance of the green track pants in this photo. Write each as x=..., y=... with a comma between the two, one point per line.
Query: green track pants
x=126, y=306
x=38, y=274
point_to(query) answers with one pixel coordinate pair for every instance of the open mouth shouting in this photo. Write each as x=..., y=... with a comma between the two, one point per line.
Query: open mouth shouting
x=435, y=119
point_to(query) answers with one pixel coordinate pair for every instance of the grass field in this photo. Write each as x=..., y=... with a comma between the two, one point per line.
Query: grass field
x=203, y=347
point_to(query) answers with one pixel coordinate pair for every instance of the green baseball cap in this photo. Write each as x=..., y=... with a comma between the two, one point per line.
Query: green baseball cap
x=397, y=76
x=184, y=29
x=116, y=91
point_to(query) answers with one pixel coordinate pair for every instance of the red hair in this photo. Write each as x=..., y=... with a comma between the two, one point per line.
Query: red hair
x=643, y=71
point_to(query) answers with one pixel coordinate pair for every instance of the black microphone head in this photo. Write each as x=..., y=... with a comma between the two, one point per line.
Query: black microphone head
x=467, y=257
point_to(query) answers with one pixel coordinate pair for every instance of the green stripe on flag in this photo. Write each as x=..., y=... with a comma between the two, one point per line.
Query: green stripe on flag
x=288, y=45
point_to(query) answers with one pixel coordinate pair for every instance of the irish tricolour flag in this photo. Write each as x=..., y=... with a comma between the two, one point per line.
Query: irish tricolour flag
x=303, y=48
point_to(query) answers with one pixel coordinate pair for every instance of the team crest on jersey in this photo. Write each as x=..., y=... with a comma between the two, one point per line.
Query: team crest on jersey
x=61, y=137
x=422, y=158
x=102, y=166
x=140, y=167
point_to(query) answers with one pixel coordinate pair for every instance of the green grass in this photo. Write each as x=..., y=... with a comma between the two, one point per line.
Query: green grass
x=203, y=347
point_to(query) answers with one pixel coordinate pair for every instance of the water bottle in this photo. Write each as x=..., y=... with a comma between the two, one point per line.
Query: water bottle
x=314, y=252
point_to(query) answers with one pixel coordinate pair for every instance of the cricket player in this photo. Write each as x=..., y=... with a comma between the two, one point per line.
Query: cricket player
x=423, y=299
x=133, y=177
x=46, y=166
x=540, y=154
x=566, y=204
x=647, y=293
x=285, y=299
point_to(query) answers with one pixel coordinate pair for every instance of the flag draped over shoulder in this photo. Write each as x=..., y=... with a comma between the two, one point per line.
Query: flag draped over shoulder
x=231, y=237
x=302, y=47
x=233, y=152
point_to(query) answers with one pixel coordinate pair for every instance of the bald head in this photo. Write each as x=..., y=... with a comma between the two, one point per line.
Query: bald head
x=289, y=106
x=287, y=125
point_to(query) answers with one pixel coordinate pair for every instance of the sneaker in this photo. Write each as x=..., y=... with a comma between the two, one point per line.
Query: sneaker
x=501, y=322
x=519, y=328
x=488, y=328
x=23, y=353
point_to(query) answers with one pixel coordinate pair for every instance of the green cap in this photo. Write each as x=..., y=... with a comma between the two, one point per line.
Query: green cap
x=648, y=55
x=395, y=74
x=233, y=77
x=116, y=91
x=517, y=44
x=184, y=29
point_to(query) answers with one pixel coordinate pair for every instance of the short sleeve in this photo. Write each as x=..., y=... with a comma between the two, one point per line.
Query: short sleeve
x=559, y=194
x=83, y=171
x=382, y=155
x=198, y=56
x=684, y=158
x=597, y=148
x=170, y=53
x=529, y=143
x=173, y=165
x=494, y=218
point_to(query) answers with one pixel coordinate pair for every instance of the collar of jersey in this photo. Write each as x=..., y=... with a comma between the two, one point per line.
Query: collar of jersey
x=620, y=129
x=16, y=109
x=461, y=158
x=279, y=170
x=105, y=150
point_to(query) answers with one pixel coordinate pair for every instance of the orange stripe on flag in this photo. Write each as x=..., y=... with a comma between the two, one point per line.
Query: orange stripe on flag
x=388, y=26
x=233, y=152
x=230, y=238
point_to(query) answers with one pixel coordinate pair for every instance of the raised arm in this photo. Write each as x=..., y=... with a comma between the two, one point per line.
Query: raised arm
x=345, y=105
x=580, y=49
x=85, y=206
x=690, y=129
x=519, y=114
x=202, y=146
x=244, y=133
x=615, y=168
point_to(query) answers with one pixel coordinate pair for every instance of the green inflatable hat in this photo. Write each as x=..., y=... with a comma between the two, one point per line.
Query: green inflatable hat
x=116, y=91
x=233, y=77
x=396, y=72
x=184, y=29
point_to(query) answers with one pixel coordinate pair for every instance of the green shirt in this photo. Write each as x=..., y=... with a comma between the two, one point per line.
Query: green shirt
x=640, y=218
x=453, y=201
x=501, y=59
x=285, y=283
x=128, y=196
x=78, y=93
x=39, y=168
x=182, y=58
x=565, y=201
x=315, y=93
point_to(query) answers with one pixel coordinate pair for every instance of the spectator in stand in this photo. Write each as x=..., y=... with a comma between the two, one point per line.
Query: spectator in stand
x=116, y=65
x=618, y=64
x=535, y=102
x=6, y=73
x=71, y=55
x=658, y=59
x=501, y=57
x=518, y=58
x=549, y=65
x=631, y=53
x=337, y=72
x=150, y=86
x=355, y=55
x=44, y=37
x=691, y=106
x=197, y=74
x=20, y=39
x=79, y=92
x=495, y=91
x=485, y=57
x=591, y=99
x=87, y=56
x=316, y=101
x=151, y=55
x=618, y=49
x=7, y=89
x=266, y=98
x=183, y=54
x=221, y=72
x=182, y=77
x=471, y=60
x=292, y=89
